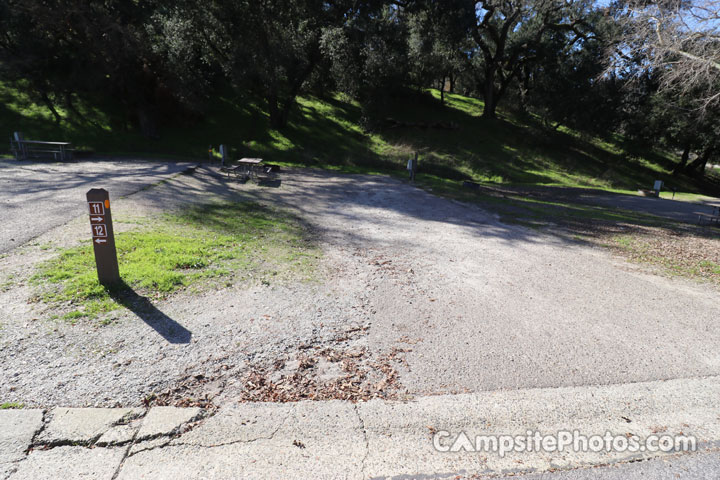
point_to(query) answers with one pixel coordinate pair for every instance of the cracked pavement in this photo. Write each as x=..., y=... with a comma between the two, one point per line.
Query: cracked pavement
x=374, y=439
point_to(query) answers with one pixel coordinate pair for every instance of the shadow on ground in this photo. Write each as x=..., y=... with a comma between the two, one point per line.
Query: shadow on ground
x=141, y=306
x=354, y=199
x=373, y=199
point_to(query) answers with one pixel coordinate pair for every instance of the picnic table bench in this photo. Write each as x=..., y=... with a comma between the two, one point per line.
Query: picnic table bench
x=714, y=217
x=24, y=149
x=251, y=169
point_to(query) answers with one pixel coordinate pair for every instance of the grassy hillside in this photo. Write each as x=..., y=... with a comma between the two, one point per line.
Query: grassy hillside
x=326, y=133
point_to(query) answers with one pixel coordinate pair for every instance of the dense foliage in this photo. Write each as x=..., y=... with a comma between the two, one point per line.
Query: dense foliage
x=595, y=67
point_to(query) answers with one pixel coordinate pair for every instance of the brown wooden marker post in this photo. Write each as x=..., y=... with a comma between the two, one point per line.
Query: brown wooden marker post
x=103, y=236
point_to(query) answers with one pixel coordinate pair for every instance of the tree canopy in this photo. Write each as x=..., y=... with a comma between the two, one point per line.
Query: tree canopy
x=646, y=69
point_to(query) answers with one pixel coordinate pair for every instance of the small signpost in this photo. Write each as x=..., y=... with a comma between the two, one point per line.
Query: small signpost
x=412, y=167
x=659, y=184
x=103, y=236
x=223, y=155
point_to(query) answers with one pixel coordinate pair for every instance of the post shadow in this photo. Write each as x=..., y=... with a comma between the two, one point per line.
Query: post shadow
x=168, y=328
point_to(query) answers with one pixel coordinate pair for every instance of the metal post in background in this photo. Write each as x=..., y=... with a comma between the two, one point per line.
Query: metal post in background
x=412, y=167
x=223, y=154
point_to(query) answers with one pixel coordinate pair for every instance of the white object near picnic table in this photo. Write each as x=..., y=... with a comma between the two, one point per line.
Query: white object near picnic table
x=658, y=186
x=412, y=167
x=223, y=155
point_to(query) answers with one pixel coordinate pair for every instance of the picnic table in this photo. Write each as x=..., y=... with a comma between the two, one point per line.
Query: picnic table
x=251, y=169
x=24, y=149
x=714, y=217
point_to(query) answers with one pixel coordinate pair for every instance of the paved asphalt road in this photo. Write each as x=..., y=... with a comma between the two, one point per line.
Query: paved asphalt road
x=675, y=210
x=37, y=196
x=704, y=465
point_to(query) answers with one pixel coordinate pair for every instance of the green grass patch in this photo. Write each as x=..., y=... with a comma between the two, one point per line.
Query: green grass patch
x=215, y=244
x=710, y=266
x=11, y=406
x=8, y=283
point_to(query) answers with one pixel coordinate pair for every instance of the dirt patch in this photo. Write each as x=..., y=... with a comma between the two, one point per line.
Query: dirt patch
x=675, y=250
x=312, y=372
x=327, y=374
x=356, y=379
x=688, y=253
x=668, y=247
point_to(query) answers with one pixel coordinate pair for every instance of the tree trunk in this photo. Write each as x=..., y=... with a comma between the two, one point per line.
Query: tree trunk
x=699, y=164
x=285, y=111
x=490, y=103
x=49, y=104
x=442, y=91
x=524, y=90
x=452, y=83
x=683, y=160
x=279, y=114
x=489, y=95
x=147, y=121
x=522, y=103
x=70, y=105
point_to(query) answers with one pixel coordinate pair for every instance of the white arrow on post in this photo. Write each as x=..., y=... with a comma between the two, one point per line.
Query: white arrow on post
x=100, y=240
x=96, y=219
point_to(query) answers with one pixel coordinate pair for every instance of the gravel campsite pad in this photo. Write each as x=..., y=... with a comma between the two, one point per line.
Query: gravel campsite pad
x=35, y=196
x=413, y=295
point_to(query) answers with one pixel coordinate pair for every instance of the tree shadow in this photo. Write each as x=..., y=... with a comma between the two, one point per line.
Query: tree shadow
x=270, y=183
x=141, y=306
